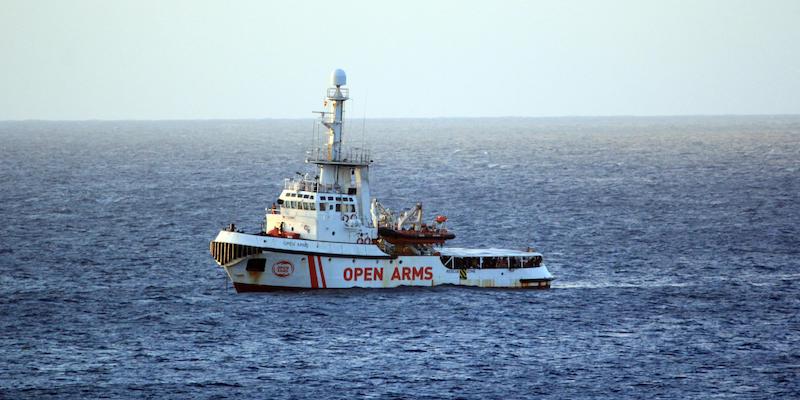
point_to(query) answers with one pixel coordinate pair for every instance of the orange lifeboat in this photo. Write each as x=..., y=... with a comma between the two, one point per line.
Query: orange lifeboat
x=408, y=236
x=275, y=232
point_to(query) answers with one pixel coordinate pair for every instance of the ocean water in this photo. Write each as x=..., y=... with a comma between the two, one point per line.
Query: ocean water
x=675, y=241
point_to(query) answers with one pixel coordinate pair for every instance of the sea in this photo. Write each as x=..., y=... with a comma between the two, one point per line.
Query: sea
x=675, y=242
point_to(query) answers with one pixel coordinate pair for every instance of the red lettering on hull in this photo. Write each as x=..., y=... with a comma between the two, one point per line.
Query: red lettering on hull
x=368, y=274
x=412, y=274
x=363, y=274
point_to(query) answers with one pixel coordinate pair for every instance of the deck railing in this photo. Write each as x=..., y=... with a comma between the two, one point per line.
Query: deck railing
x=355, y=155
x=308, y=185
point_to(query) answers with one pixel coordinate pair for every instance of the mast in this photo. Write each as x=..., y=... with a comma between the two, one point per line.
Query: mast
x=342, y=169
x=333, y=119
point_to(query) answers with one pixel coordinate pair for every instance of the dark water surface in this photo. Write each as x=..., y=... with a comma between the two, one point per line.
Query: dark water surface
x=676, y=243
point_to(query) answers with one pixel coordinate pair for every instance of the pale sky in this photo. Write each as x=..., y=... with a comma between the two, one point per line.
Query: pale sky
x=261, y=59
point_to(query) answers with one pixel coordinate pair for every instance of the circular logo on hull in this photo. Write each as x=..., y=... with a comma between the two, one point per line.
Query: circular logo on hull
x=282, y=268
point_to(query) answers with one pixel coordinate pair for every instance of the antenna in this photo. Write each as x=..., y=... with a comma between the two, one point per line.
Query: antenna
x=313, y=139
x=364, y=123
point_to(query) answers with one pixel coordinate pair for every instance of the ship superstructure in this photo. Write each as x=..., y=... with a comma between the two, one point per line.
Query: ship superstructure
x=326, y=231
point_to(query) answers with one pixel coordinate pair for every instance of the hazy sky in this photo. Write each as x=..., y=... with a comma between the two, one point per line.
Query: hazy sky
x=260, y=59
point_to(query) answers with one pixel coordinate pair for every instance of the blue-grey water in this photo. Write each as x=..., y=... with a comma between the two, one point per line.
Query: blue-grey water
x=675, y=242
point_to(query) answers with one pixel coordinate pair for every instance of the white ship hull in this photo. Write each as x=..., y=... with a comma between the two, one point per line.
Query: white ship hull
x=262, y=263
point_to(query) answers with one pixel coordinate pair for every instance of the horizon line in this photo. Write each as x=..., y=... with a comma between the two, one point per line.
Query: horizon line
x=399, y=118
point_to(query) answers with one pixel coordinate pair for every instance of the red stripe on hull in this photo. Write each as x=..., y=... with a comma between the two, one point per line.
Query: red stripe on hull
x=321, y=272
x=312, y=271
x=252, y=288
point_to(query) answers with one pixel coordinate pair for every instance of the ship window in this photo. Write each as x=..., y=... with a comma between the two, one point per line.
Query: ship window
x=338, y=207
x=305, y=196
x=330, y=197
x=256, y=264
x=323, y=206
x=313, y=206
x=305, y=206
x=352, y=208
x=338, y=199
x=467, y=262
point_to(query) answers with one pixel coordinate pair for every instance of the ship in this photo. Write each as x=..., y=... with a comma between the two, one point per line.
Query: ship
x=327, y=232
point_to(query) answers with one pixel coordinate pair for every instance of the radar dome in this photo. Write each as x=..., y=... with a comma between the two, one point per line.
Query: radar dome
x=338, y=78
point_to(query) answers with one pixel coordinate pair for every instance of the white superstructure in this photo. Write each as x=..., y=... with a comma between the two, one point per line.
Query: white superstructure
x=327, y=232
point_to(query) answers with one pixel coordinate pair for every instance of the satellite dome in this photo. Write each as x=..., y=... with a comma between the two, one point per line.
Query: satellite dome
x=338, y=77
